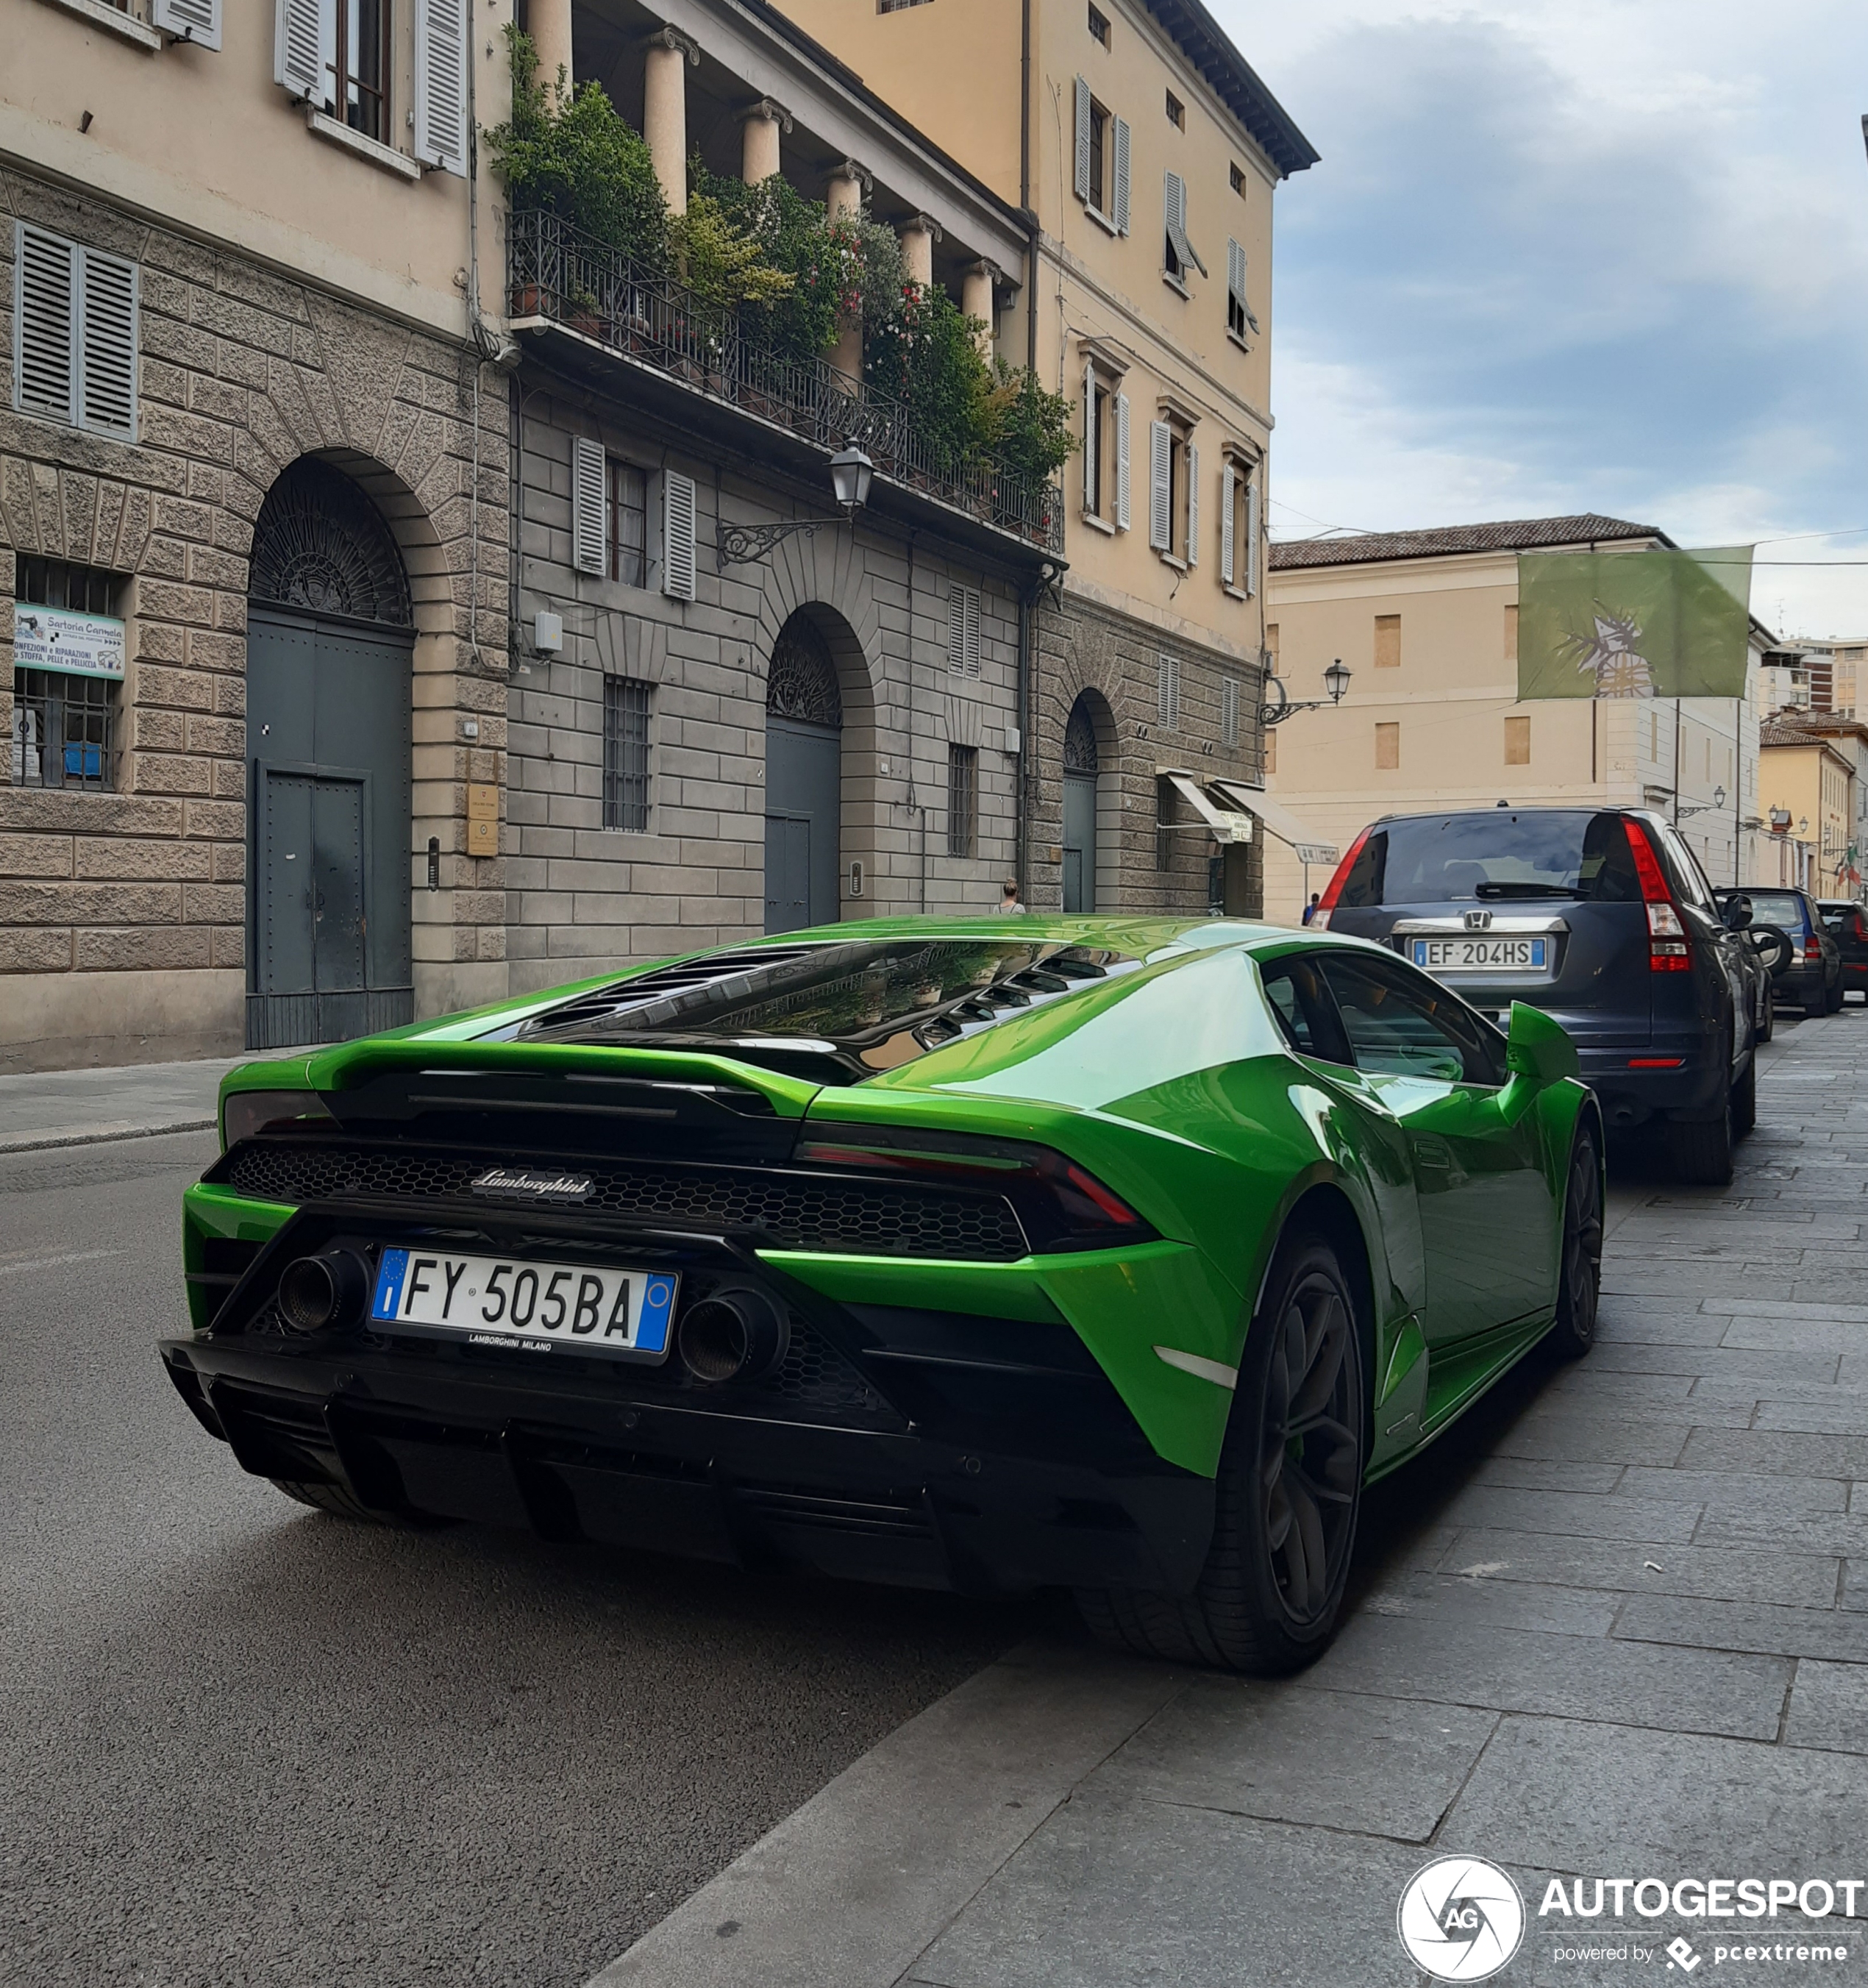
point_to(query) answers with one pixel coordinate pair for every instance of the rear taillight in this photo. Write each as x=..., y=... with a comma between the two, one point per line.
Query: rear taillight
x=1320, y=918
x=1812, y=948
x=1668, y=950
x=1060, y=1205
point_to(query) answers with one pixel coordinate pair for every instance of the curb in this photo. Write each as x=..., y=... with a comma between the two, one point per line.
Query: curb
x=35, y=1142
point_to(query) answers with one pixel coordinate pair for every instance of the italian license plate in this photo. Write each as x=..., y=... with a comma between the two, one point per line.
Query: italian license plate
x=1482, y=955
x=531, y=1307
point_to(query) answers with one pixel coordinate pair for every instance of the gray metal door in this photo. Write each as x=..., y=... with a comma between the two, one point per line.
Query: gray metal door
x=1080, y=842
x=328, y=742
x=803, y=802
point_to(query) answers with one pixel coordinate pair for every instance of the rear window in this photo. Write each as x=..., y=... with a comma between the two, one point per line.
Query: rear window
x=1777, y=908
x=1494, y=856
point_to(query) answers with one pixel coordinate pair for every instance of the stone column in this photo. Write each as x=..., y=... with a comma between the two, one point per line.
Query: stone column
x=976, y=300
x=843, y=195
x=551, y=34
x=761, y=124
x=918, y=237
x=665, y=111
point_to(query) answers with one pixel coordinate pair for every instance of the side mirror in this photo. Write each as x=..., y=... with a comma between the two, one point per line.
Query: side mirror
x=1738, y=911
x=1539, y=1048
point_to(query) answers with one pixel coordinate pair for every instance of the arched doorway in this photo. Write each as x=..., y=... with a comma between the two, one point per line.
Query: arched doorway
x=329, y=635
x=804, y=726
x=1080, y=772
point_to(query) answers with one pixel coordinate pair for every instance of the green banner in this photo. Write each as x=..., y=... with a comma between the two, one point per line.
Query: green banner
x=1634, y=625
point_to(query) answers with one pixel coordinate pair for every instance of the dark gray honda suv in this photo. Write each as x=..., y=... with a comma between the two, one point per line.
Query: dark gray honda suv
x=1601, y=917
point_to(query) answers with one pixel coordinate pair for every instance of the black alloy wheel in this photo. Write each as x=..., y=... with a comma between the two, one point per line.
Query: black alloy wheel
x=1287, y=1494
x=1579, y=1274
x=1744, y=1101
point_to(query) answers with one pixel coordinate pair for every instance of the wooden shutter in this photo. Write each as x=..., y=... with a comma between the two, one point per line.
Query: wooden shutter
x=1160, y=479
x=1119, y=148
x=589, y=505
x=1253, y=527
x=1167, y=693
x=45, y=324
x=1227, y=520
x=1089, y=438
x=963, y=650
x=679, y=517
x=303, y=30
x=1228, y=711
x=1082, y=139
x=198, y=21
x=1193, y=505
x=106, y=344
x=440, y=84
x=1122, y=462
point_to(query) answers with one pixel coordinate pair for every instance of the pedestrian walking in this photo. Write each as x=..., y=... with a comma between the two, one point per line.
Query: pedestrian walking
x=1008, y=904
x=1317, y=898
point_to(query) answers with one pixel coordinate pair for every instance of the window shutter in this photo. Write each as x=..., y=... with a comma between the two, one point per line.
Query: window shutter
x=1160, y=476
x=1252, y=528
x=1226, y=522
x=45, y=324
x=1193, y=505
x=678, y=520
x=106, y=344
x=1090, y=437
x=1228, y=711
x=1118, y=146
x=440, y=84
x=589, y=503
x=1167, y=693
x=1235, y=271
x=1082, y=139
x=1122, y=462
x=956, y=630
x=303, y=30
x=195, y=20
x=1176, y=204
x=973, y=649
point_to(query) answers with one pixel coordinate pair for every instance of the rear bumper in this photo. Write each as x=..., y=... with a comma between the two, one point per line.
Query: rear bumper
x=1805, y=986
x=1630, y=1096
x=479, y=1441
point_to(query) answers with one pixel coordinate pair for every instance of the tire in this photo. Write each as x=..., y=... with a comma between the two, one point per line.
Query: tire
x=1701, y=1148
x=331, y=1498
x=1268, y=1598
x=1580, y=1273
x=1744, y=1101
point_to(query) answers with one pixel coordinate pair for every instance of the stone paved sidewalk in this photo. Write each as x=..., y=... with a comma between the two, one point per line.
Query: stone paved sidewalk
x=76, y=1107
x=1615, y=1625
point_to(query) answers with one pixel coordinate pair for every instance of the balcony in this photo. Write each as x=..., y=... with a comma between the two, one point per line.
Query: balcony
x=561, y=277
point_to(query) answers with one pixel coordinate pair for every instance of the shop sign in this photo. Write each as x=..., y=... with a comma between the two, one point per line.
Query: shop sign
x=57, y=638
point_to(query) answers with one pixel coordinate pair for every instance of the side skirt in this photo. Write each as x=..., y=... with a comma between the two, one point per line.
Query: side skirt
x=1458, y=1378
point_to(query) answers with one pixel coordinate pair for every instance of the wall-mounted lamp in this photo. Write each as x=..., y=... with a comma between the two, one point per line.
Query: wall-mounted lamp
x=1335, y=681
x=850, y=472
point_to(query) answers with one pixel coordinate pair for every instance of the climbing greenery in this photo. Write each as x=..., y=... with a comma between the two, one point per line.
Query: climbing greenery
x=792, y=273
x=572, y=155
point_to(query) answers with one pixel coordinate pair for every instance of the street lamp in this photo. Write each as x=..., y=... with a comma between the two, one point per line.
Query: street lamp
x=1716, y=801
x=1780, y=820
x=1335, y=681
x=850, y=472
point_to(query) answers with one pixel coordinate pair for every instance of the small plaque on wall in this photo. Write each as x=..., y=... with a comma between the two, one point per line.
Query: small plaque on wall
x=482, y=836
x=482, y=803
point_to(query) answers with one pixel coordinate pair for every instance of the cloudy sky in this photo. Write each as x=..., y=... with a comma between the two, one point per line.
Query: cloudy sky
x=1579, y=255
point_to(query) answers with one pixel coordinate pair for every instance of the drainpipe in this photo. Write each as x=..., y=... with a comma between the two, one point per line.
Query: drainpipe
x=1027, y=606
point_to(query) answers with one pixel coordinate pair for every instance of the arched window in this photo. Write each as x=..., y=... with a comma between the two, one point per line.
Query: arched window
x=802, y=685
x=321, y=547
x=1080, y=739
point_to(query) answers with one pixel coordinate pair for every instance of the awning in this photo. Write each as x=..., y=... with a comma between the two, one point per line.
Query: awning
x=1307, y=847
x=1215, y=810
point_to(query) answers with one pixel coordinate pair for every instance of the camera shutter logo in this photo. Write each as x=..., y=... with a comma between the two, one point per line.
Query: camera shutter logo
x=1461, y=1918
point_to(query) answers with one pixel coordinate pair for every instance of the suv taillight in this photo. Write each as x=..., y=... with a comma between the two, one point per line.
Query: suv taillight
x=1320, y=918
x=1812, y=948
x=1668, y=950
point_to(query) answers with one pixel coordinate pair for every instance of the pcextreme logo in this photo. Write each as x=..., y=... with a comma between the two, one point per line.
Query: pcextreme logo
x=1461, y=1917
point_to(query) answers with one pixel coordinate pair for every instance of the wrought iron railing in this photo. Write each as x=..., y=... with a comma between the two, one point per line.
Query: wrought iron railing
x=558, y=272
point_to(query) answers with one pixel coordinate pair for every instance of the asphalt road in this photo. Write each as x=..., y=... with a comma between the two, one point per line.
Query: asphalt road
x=244, y=1744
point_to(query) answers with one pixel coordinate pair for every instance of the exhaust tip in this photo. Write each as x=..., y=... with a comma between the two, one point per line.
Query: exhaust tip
x=316, y=1293
x=736, y=1334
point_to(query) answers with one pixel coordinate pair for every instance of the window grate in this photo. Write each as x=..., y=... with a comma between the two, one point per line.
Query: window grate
x=962, y=800
x=626, y=755
x=61, y=731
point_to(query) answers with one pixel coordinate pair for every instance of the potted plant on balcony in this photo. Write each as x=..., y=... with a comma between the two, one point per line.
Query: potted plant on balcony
x=571, y=155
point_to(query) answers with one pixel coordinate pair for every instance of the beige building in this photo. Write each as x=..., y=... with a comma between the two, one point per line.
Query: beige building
x=1149, y=152
x=246, y=445
x=1810, y=798
x=1426, y=623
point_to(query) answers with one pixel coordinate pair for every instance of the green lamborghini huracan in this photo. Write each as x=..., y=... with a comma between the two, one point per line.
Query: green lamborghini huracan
x=1107, y=1254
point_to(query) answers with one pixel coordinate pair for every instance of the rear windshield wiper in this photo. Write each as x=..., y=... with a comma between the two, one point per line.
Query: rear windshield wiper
x=1526, y=891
